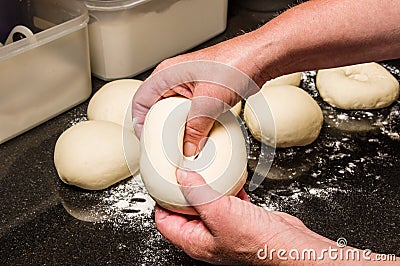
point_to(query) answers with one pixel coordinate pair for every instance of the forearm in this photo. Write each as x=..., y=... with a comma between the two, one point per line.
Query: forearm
x=327, y=33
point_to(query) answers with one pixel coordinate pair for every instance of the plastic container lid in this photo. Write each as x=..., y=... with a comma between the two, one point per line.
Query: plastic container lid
x=75, y=17
x=112, y=5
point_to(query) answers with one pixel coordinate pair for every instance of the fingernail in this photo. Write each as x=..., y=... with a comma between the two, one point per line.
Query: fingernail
x=181, y=175
x=189, y=149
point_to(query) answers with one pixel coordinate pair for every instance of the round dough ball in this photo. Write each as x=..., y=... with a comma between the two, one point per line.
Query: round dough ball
x=91, y=154
x=222, y=161
x=293, y=79
x=237, y=109
x=297, y=117
x=113, y=102
x=358, y=87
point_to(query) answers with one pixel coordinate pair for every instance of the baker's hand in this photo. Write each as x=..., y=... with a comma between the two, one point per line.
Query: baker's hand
x=192, y=76
x=230, y=230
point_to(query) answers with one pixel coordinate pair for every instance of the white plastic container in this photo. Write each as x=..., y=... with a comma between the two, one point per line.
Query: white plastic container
x=48, y=72
x=128, y=37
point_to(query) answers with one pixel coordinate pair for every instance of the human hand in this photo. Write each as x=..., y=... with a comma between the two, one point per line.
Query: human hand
x=194, y=76
x=230, y=230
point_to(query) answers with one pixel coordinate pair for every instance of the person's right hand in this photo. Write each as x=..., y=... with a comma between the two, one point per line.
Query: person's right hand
x=230, y=230
x=178, y=77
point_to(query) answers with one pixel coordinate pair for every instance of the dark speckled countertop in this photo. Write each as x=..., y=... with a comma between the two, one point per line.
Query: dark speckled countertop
x=346, y=184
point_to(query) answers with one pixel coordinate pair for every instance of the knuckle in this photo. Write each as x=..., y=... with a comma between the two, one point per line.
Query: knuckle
x=218, y=211
x=164, y=64
x=222, y=93
x=193, y=247
x=194, y=131
x=229, y=204
x=168, y=62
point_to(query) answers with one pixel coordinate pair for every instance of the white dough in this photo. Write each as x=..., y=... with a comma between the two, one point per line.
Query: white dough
x=91, y=154
x=113, y=102
x=358, y=87
x=293, y=79
x=222, y=162
x=237, y=109
x=297, y=117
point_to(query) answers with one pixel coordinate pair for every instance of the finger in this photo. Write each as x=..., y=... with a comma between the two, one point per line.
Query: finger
x=208, y=102
x=185, y=90
x=196, y=132
x=202, y=114
x=192, y=236
x=167, y=75
x=162, y=214
x=146, y=96
x=243, y=195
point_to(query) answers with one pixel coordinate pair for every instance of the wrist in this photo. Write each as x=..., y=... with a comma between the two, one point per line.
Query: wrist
x=270, y=53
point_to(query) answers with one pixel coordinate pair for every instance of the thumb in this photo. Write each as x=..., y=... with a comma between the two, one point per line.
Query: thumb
x=195, y=189
x=213, y=208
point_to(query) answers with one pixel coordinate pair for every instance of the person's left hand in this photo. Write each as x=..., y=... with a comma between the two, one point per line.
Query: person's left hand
x=230, y=230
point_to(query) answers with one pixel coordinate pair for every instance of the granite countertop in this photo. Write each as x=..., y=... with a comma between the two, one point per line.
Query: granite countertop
x=346, y=184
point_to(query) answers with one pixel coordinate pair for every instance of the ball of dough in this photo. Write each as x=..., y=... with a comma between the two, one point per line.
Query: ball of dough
x=237, y=109
x=113, y=102
x=358, y=87
x=297, y=117
x=293, y=79
x=222, y=161
x=91, y=154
